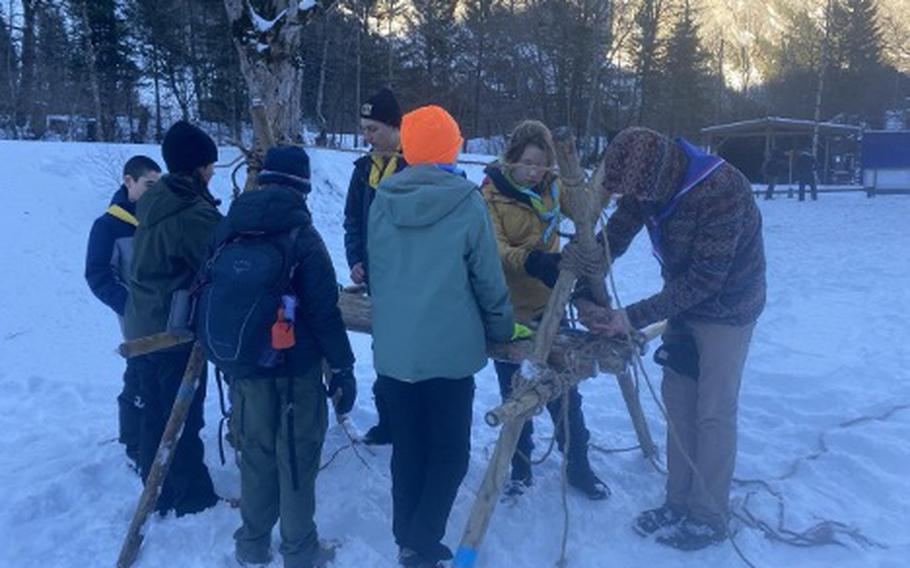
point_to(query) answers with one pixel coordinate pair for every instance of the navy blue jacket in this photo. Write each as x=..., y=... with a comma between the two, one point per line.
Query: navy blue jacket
x=357, y=209
x=107, y=260
x=320, y=332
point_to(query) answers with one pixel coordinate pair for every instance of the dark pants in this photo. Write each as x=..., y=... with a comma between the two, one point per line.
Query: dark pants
x=430, y=423
x=382, y=414
x=772, y=181
x=813, y=186
x=578, y=432
x=188, y=486
x=129, y=403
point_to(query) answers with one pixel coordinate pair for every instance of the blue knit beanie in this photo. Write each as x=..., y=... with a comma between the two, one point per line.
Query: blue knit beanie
x=288, y=166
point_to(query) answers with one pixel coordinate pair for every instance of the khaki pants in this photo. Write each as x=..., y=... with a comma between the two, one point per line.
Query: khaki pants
x=703, y=420
x=267, y=492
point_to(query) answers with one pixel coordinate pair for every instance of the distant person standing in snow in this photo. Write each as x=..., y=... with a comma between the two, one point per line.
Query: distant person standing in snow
x=775, y=168
x=705, y=230
x=806, y=175
x=107, y=264
x=380, y=120
x=176, y=220
x=523, y=197
x=438, y=295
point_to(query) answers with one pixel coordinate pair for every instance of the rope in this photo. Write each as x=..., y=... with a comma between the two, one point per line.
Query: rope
x=584, y=261
x=563, y=559
x=352, y=444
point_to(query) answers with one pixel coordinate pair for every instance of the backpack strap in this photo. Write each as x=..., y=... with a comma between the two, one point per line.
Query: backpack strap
x=288, y=243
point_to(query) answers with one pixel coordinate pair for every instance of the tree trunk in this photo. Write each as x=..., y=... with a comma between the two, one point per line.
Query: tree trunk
x=94, y=79
x=823, y=69
x=159, y=132
x=357, y=86
x=320, y=91
x=270, y=62
x=26, y=94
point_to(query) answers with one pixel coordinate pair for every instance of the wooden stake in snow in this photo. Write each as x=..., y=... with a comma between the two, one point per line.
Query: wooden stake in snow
x=163, y=457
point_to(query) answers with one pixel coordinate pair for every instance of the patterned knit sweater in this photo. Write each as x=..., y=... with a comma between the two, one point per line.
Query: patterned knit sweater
x=714, y=260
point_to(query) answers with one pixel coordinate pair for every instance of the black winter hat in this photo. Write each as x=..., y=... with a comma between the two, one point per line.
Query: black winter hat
x=382, y=107
x=186, y=148
x=288, y=166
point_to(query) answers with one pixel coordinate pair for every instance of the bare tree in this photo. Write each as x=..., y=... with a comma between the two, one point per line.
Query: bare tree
x=267, y=38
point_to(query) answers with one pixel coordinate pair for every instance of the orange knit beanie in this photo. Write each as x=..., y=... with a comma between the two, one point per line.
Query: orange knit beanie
x=429, y=135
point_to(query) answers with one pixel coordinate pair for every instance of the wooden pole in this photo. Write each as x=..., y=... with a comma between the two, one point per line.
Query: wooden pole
x=583, y=203
x=573, y=352
x=163, y=457
x=584, y=207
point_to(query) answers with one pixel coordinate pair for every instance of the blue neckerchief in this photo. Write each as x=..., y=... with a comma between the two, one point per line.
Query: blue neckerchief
x=700, y=166
x=452, y=169
x=551, y=217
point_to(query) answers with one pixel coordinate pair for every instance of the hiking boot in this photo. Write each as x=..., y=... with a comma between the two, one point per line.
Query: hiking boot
x=517, y=487
x=252, y=562
x=196, y=504
x=584, y=480
x=378, y=435
x=650, y=521
x=692, y=534
x=413, y=559
x=325, y=553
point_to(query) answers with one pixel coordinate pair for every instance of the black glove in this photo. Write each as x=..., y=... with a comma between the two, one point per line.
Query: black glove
x=544, y=266
x=680, y=353
x=343, y=390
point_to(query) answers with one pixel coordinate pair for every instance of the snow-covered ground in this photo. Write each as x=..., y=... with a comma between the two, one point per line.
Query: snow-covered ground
x=831, y=346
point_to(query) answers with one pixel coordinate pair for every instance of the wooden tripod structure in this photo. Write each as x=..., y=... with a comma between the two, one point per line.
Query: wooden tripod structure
x=555, y=361
x=584, y=201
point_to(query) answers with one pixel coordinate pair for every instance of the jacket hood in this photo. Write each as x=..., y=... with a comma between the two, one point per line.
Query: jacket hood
x=421, y=195
x=122, y=199
x=169, y=196
x=504, y=184
x=645, y=164
x=270, y=209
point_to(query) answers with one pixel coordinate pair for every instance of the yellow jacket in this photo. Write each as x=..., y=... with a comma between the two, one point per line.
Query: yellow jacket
x=519, y=230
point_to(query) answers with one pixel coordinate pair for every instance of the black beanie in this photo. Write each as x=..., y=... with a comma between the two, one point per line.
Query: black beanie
x=382, y=107
x=288, y=166
x=186, y=148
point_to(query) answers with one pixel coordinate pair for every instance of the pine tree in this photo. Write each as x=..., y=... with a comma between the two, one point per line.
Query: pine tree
x=686, y=82
x=859, y=86
x=647, y=50
x=55, y=92
x=101, y=44
x=9, y=65
x=435, y=43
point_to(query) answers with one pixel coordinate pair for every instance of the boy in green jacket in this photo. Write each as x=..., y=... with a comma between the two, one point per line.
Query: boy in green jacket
x=176, y=220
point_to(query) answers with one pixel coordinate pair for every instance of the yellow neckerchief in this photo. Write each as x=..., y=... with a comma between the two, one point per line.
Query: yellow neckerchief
x=123, y=215
x=380, y=171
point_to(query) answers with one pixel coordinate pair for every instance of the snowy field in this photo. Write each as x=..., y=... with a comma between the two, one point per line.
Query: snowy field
x=831, y=346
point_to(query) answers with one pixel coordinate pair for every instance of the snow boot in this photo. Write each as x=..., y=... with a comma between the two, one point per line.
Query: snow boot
x=412, y=559
x=521, y=478
x=378, y=435
x=325, y=553
x=650, y=521
x=692, y=534
x=581, y=477
x=251, y=562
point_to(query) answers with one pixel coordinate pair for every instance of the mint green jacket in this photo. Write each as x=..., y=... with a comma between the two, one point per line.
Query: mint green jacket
x=436, y=281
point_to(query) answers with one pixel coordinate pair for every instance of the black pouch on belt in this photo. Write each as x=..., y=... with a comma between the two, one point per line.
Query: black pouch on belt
x=680, y=353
